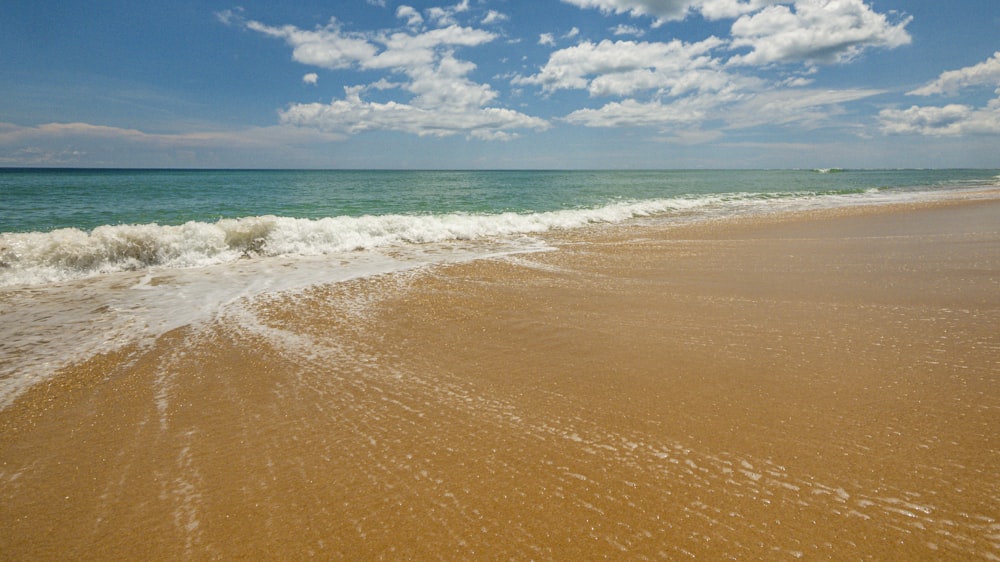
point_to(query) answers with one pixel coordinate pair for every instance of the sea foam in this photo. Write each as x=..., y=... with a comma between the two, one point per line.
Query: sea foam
x=35, y=258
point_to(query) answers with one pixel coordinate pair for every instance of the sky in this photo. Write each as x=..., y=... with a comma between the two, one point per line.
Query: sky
x=498, y=84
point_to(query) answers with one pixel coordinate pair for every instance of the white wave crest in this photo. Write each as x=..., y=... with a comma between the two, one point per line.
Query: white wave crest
x=43, y=257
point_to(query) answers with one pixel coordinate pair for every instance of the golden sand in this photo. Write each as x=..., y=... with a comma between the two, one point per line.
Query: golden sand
x=824, y=385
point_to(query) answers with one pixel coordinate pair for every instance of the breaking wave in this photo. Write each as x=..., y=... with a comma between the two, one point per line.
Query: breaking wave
x=43, y=257
x=35, y=258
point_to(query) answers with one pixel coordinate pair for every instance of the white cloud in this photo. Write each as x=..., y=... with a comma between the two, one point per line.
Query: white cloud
x=412, y=17
x=311, y=78
x=353, y=115
x=925, y=120
x=622, y=29
x=327, y=47
x=950, y=83
x=673, y=85
x=446, y=16
x=728, y=9
x=661, y=10
x=797, y=81
x=668, y=10
x=330, y=47
x=816, y=31
x=626, y=67
x=795, y=105
x=405, y=51
x=953, y=119
x=494, y=16
x=948, y=121
x=677, y=86
x=442, y=100
x=632, y=113
x=446, y=86
x=778, y=31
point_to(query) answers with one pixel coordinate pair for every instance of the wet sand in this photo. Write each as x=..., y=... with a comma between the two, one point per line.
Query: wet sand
x=823, y=385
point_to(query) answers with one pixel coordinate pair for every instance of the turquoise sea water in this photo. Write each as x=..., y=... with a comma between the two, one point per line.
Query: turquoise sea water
x=44, y=200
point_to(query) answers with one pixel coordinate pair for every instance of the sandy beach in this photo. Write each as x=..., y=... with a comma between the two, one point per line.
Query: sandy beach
x=822, y=385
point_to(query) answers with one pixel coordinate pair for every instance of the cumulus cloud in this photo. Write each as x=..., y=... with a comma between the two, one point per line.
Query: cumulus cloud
x=494, y=16
x=778, y=31
x=626, y=67
x=951, y=119
x=327, y=46
x=441, y=98
x=446, y=16
x=675, y=85
x=815, y=31
x=311, y=79
x=692, y=91
x=412, y=17
x=622, y=29
x=353, y=115
x=986, y=73
x=685, y=85
x=406, y=52
x=331, y=47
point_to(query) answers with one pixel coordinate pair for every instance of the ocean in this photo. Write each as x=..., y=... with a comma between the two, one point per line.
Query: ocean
x=92, y=260
x=57, y=225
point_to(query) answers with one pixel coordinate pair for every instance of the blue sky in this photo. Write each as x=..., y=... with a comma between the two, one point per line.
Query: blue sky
x=501, y=83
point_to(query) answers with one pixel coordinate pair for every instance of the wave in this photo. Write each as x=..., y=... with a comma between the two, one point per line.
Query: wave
x=36, y=258
x=43, y=257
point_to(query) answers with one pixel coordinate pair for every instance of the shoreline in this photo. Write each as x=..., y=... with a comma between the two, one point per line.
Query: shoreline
x=821, y=384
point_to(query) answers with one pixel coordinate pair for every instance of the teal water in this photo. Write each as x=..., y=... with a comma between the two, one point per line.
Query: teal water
x=65, y=224
x=43, y=200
